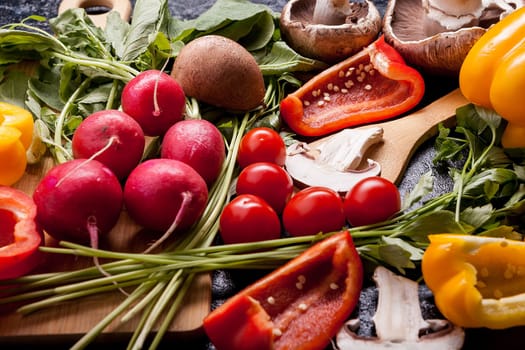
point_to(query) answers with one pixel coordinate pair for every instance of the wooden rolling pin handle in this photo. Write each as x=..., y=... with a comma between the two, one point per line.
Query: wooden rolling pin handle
x=121, y=6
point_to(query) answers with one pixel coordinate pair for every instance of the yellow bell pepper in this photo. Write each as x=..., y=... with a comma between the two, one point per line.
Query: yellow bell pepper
x=16, y=133
x=477, y=281
x=493, y=74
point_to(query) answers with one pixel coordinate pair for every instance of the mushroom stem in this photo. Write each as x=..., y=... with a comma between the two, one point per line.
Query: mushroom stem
x=398, y=321
x=457, y=7
x=398, y=316
x=454, y=14
x=331, y=12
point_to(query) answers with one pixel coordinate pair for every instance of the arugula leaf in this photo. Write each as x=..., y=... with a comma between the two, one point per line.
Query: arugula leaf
x=15, y=87
x=220, y=15
x=148, y=18
x=44, y=88
x=18, y=45
x=261, y=33
x=282, y=58
x=115, y=31
x=75, y=29
x=95, y=99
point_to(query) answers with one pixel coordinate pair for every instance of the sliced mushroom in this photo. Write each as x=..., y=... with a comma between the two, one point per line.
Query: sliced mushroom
x=398, y=321
x=335, y=161
x=329, y=30
x=435, y=35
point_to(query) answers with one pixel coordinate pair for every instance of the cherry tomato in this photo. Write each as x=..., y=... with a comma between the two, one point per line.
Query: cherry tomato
x=371, y=200
x=268, y=181
x=261, y=145
x=312, y=210
x=248, y=218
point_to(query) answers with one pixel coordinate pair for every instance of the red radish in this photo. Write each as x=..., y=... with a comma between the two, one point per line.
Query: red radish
x=197, y=143
x=155, y=100
x=78, y=200
x=114, y=137
x=165, y=195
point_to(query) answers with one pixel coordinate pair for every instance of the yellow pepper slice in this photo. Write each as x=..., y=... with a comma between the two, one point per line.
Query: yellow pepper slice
x=493, y=74
x=508, y=85
x=488, y=52
x=16, y=133
x=477, y=281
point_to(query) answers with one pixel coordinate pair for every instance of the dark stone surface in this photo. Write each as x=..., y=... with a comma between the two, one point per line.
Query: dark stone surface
x=16, y=10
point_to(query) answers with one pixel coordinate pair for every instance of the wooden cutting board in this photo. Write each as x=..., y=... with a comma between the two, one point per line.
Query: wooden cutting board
x=70, y=320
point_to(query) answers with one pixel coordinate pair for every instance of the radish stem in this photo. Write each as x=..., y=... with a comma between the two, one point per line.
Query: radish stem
x=60, y=154
x=186, y=200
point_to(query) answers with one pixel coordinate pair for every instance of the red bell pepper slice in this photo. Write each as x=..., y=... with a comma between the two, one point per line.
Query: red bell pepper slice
x=372, y=85
x=20, y=237
x=301, y=305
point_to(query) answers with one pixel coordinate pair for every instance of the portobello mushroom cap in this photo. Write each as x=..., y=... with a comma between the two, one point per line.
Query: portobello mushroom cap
x=329, y=30
x=436, y=35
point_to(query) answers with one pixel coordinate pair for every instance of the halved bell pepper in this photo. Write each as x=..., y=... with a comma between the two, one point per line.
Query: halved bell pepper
x=493, y=74
x=20, y=236
x=477, y=281
x=16, y=133
x=301, y=305
x=370, y=86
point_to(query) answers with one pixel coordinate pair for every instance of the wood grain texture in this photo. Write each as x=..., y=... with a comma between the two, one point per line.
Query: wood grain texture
x=403, y=136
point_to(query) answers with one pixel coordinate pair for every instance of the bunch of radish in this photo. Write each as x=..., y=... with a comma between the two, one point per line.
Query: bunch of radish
x=81, y=199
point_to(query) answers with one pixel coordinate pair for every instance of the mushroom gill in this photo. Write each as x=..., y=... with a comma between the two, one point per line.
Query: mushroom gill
x=329, y=30
x=435, y=35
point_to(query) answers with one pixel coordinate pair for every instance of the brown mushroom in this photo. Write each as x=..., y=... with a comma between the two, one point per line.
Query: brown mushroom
x=329, y=30
x=435, y=35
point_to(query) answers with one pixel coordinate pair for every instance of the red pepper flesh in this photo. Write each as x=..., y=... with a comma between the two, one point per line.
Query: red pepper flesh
x=249, y=322
x=20, y=236
x=301, y=305
x=370, y=86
